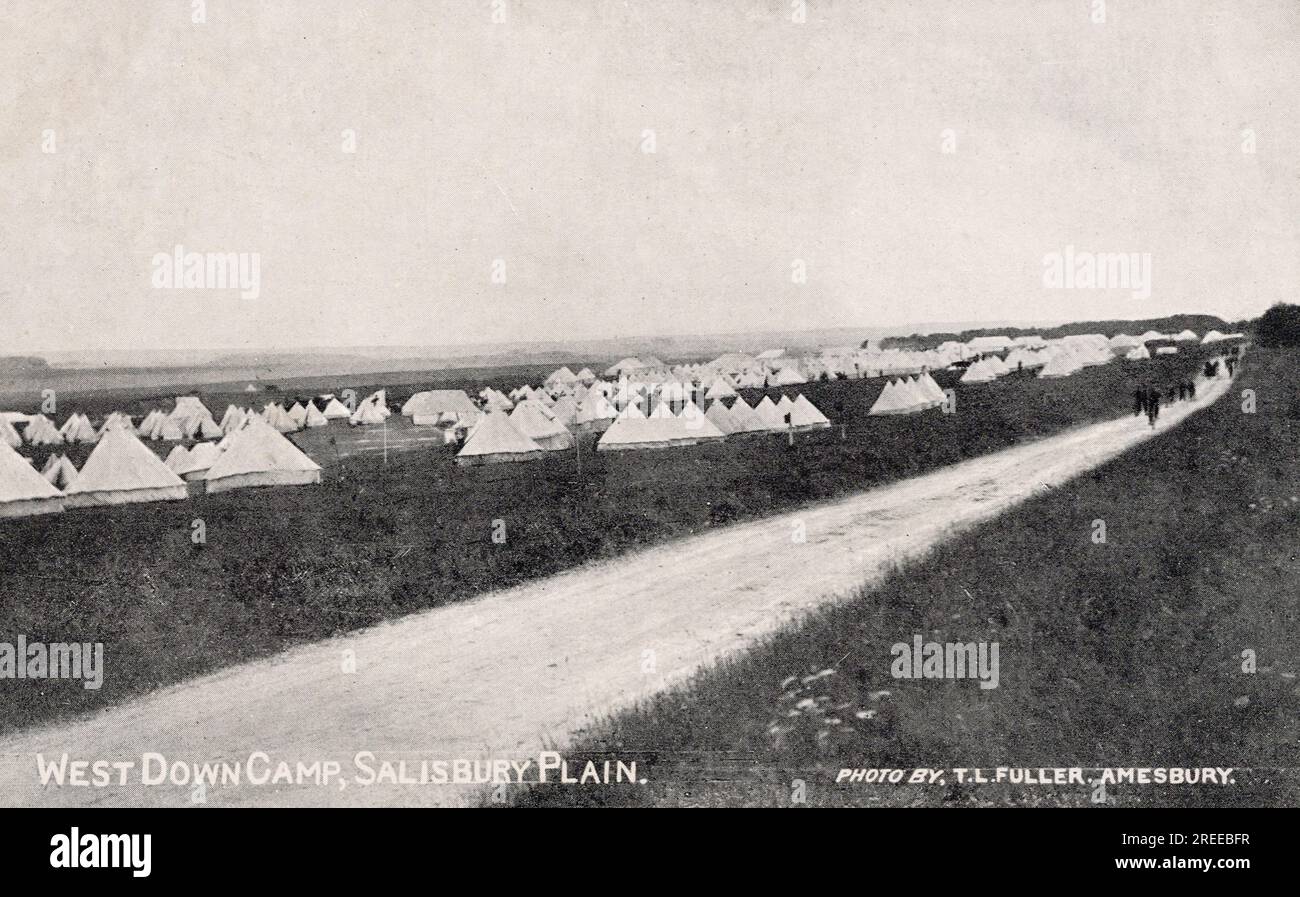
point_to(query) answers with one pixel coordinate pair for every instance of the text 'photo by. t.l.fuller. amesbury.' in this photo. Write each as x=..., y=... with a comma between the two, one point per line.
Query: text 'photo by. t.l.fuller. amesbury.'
x=596, y=404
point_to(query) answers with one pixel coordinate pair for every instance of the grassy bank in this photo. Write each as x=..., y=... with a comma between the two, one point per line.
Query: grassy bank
x=1127, y=653
x=375, y=541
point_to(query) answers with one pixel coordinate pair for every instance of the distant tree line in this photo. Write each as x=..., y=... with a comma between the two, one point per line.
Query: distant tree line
x=1170, y=324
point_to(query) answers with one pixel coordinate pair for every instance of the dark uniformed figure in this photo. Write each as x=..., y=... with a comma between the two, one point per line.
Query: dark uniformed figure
x=1153, y=406
x=1191, y=388
x=1231, y=364
x=1182, y=390
x=1139, y=402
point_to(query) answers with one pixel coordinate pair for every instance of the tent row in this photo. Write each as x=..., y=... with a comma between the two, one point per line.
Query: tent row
x=532, y=428
x=772, y=368
x=909, y=396
x=191, y=420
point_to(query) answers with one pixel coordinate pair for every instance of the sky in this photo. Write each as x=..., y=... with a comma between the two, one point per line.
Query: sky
x=634, y=168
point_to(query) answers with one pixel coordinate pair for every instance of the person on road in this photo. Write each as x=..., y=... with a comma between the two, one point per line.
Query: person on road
x=1191, y=389
x=1139, y=401
x=1153, y=406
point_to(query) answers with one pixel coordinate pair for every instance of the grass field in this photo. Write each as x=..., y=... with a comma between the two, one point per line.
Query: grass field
x=377, y=541
x=1127, y=653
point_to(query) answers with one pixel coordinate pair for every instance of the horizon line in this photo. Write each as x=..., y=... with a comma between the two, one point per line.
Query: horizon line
x=919, y=327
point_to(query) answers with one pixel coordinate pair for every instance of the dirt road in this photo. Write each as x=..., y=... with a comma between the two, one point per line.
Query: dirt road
x=516, y=672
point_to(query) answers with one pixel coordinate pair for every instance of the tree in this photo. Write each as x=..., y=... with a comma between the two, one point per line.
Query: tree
x=1279, y=326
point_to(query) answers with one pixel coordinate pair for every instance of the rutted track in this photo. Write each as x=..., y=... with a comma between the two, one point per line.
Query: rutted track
x=517, y=671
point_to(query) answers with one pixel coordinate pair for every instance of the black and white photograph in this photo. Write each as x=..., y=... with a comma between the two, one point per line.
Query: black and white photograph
x=529, y=404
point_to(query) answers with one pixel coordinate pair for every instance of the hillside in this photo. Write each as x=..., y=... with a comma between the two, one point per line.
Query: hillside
x=19, y=366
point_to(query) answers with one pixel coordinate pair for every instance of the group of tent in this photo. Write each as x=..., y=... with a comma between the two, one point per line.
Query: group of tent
x=547, y=415
x=909, y=395
x=738, y=369
x=123, y=470
x=1215, y=336
x=595, y=404
x=532, y=427
x=662, y=428
x=526, y=431
x=584, y=407
x=1055, y=358
x=189, y=421
x=39, y=430
x=781, y=367
x=645, y=384
x=312, y=413
x=799, y=415
x=986, y=370
x=564, y=376
x=450, y=408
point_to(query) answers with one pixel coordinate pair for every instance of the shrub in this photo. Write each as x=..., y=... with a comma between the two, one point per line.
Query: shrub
x=1279, y=326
